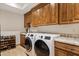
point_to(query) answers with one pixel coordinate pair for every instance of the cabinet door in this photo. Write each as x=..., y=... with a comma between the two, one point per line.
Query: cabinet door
x=35, y=17
x=22, y=40
x=70, y=12
x=71, y=54
x=76, y=12
x=54, y=13
x=41, y=16
x=66, y=13
x=27, y=19
x=45, y=14
x=60, y=52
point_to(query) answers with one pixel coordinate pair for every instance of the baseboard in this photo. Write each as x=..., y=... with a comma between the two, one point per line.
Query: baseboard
x=17, y=44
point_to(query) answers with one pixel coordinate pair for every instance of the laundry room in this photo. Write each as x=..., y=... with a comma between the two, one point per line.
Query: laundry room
x=39, y=29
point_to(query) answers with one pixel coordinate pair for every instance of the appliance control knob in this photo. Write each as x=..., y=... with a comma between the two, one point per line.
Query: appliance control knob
x=41, y=36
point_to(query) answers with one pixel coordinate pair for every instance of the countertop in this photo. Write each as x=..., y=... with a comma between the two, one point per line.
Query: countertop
x=24, y=33
x=73, y=41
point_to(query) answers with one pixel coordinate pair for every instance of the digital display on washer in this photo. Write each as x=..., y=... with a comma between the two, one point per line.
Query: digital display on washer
x=47, y=37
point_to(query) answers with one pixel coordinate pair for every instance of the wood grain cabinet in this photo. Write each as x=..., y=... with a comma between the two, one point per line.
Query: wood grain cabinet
x=66, y=13
x=53, y=13
x=60, y=52
x=45, y=14
x=27, y=19
x=41, y=16
x=35, y=17
x=22, y=40
x=63, y=49
x=76, y=12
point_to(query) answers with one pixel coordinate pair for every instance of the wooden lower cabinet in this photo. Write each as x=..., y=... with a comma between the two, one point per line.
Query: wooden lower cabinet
x=22, y=40
x=63, y=49
x=59, y=52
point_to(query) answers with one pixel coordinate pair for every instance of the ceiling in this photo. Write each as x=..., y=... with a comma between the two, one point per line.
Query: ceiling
x=20, y=8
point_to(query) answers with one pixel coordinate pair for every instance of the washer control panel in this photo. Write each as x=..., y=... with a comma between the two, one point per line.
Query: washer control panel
x=31, y=35
x=47, y=37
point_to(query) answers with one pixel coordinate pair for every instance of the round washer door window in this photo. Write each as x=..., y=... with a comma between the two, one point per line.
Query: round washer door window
x=41, y=48
x=28, y=44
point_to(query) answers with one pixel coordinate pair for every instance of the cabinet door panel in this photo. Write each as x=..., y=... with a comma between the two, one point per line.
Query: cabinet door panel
x=71, y=54
x=35, y=18
x=41, y=16
x=66, y=13
x=70, y=12
x=76, y=11
x=22, y=40
x=27, y=19
x=59, y=52
x=54, y=13
x=63, y=13
x=62, y=49
x=45, y=15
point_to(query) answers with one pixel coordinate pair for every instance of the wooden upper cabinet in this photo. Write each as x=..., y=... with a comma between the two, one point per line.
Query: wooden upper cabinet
x=63, y=13
x=35, y=18
x=27, y=19
x=45, y=14
x=49, y=14
x=53, y=13
x=76, y=12
x=66, y=13
x=41, y=16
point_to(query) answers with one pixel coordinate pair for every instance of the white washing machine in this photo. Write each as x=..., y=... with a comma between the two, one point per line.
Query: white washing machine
x=29, y=44
x=44, y=44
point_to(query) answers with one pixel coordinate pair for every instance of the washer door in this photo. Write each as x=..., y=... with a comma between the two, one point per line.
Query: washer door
x=41, y=48
x=28, y=44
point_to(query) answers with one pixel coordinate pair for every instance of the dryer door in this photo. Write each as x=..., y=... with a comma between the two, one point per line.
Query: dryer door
x=28, y=44
x=41, y=48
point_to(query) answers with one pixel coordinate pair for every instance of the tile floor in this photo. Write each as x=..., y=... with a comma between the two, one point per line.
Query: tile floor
x=18, y=51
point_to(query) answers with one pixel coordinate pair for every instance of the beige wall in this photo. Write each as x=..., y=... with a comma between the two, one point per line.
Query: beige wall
x=11, y=24
x=67, y=28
